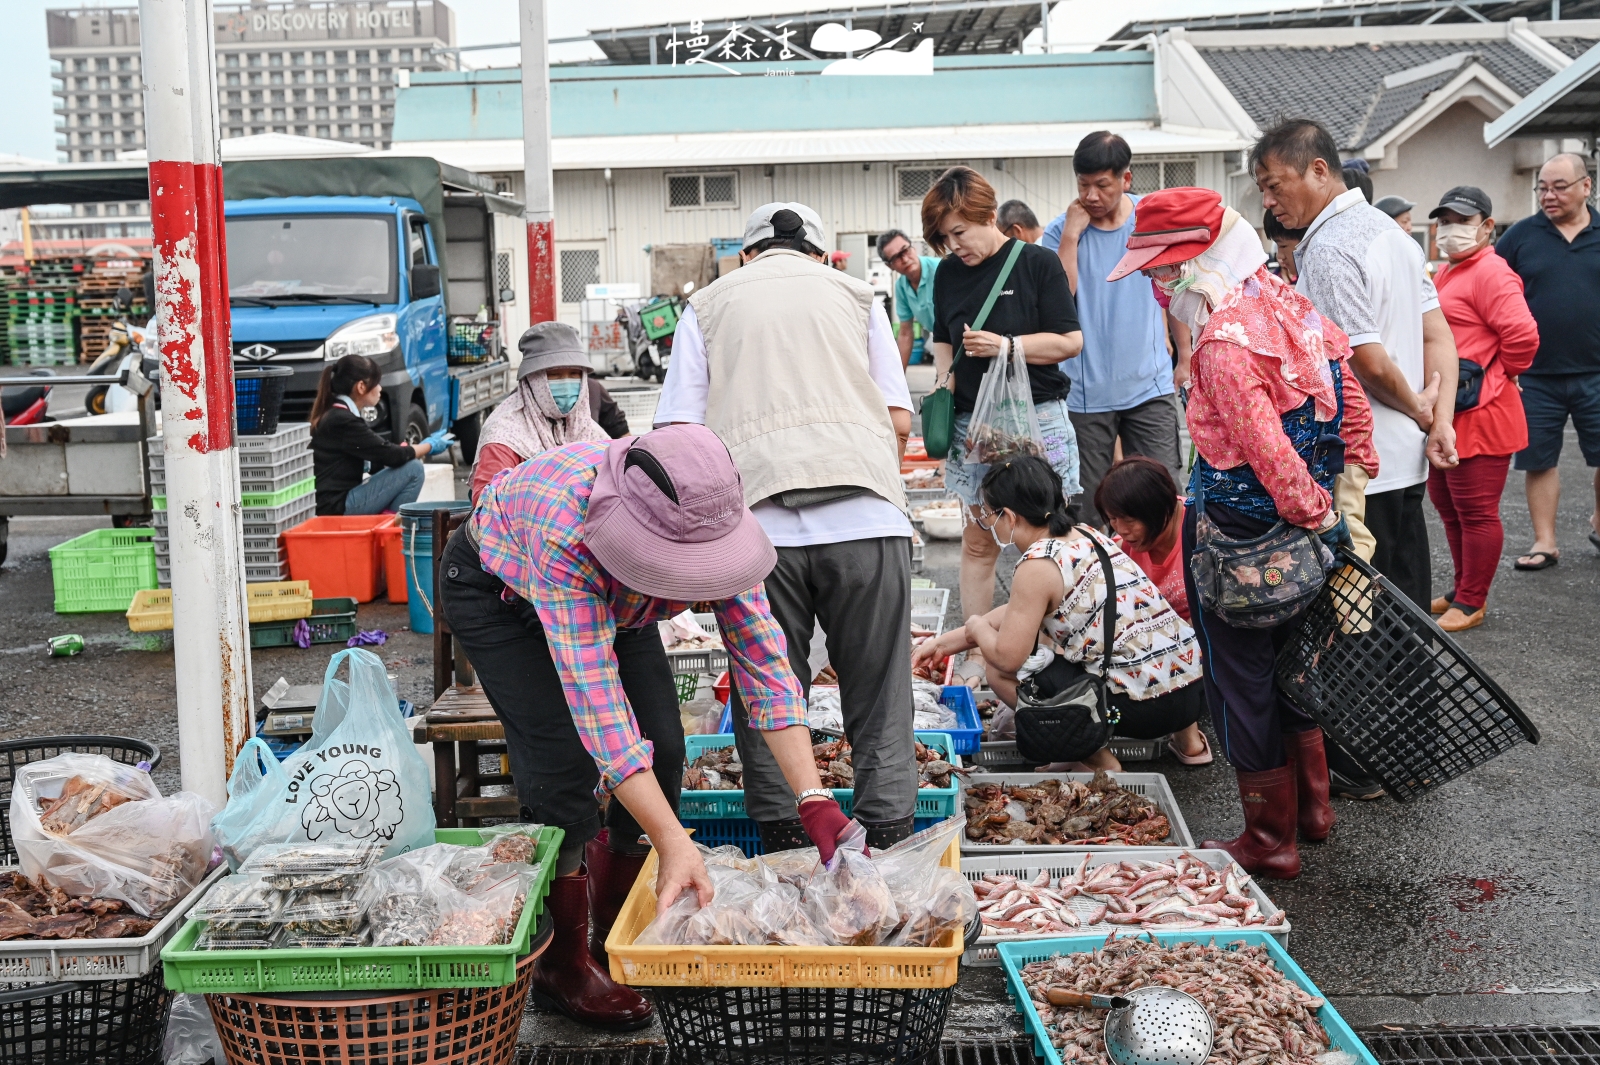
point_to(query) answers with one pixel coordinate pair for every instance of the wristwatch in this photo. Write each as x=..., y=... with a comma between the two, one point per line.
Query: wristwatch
x=804, y=795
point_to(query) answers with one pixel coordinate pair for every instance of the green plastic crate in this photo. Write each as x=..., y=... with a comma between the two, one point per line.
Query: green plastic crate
x=259, y=499
x=253, y=972
x=660, y=318
x=101, y=570
x=331, y=621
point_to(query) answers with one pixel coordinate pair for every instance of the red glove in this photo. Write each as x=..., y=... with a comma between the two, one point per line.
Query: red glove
x=823, y=821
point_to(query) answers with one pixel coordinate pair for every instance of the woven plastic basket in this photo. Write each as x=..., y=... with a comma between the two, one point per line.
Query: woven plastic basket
x=449, y=1026
x=1375, y=671
x=802, y=1025
x=14, y=754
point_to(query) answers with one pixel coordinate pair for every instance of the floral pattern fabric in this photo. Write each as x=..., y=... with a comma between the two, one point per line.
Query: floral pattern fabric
x=1154, y=650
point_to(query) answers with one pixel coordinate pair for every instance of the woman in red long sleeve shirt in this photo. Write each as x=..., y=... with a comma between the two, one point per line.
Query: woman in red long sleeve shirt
x=1481, y=297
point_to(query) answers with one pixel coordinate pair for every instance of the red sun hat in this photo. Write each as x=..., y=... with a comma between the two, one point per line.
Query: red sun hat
x=1171, y=226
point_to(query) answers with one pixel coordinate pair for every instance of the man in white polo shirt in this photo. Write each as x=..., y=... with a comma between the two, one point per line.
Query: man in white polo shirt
x=1360, y=270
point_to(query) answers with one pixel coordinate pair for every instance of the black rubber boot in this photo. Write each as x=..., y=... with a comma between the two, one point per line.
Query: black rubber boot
x=881, y=835
x=785, y=835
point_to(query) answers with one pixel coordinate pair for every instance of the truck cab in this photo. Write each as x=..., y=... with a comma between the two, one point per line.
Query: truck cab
x=395, y=259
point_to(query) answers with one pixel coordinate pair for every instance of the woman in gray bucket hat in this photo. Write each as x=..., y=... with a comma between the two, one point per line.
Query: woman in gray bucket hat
x=556, y=402
x=554, y=588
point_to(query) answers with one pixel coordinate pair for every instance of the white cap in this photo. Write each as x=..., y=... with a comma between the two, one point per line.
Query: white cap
x=760, y=227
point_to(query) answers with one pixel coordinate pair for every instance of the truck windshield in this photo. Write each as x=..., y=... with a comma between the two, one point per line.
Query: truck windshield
x=311, y=259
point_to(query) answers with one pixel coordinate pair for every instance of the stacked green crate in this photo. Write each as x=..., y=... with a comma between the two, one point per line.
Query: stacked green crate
x=42, y=320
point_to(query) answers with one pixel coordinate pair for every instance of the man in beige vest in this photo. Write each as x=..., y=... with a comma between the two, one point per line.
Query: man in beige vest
x=796, y=369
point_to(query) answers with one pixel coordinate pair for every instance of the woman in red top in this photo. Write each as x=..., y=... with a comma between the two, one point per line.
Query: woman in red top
x=1142, y=504
x=1481, y=297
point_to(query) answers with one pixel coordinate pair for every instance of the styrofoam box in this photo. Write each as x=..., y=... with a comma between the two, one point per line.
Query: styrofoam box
x=1152, y=786
x=1027, y=866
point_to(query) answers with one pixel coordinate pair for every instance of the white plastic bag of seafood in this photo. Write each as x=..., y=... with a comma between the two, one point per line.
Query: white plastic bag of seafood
x=848, y=900
x=93, y=826
x=946, y=904
x=726, y=920
x=1004, y=423
x=908, y=866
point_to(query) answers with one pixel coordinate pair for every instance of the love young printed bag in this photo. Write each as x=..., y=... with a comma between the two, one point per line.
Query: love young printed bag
x=358, y=778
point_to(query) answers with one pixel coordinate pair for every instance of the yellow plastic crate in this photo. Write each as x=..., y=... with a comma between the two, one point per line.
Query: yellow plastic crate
x=674, y=966
x=151, y=609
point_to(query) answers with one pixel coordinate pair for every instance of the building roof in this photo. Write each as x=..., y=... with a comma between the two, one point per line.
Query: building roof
x=1360, y=91
x=958, y=27
x=1566, y=105
x=273, y=146
x=1289, y=15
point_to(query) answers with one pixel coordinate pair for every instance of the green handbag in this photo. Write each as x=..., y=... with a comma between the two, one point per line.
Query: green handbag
x=938, y=408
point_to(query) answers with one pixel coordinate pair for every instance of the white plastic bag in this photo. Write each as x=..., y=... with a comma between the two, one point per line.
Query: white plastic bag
x=848, y=900
x=191, y=1037
x=92, y=826
x=358, y=778
x=1004, y=423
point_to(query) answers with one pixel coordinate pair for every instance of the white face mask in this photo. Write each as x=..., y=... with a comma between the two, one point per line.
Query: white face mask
x=994, y=534
x=1456, y=239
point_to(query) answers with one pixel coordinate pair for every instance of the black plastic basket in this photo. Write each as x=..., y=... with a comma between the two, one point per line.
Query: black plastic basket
x=258, y=398
x=17, y=753
x=1375, y=671
x=104, y=1022
x=801, y=1025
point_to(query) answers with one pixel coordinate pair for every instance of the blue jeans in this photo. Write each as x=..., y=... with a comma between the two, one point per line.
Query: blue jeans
x=387, y=489
x=1060, y=450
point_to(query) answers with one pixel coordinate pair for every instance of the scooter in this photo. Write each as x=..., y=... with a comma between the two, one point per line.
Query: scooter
x=26, y=406
x=126, y=340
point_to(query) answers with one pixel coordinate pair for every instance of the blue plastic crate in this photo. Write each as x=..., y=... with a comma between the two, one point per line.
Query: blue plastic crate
x=934, y=804
x=743, y=833
x=1013, y=956
x=282, y=748
x=968, y=735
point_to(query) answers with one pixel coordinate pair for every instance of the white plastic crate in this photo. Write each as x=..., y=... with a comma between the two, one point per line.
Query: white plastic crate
x=254, y=478
x=639, y=405
x=252, y=574
x=1152, y=786
x=993, y=754
x=292, y=440
x=1026, y=867
x=261, y=521
x=42, y=961
x=710, y=660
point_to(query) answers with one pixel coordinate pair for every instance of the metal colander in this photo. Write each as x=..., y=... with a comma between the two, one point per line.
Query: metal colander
x=1159, y=1026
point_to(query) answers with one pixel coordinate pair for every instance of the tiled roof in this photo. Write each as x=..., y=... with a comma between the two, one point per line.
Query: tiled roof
x=1342, y=87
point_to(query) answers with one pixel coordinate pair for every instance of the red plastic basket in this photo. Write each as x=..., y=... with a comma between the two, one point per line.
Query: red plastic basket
x=447, y=1026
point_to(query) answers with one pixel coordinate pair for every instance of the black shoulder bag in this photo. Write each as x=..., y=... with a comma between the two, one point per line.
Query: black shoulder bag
x=1064, y=712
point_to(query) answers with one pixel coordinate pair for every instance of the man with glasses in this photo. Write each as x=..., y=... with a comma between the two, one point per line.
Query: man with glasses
x=913, y=292
x=1557, y=254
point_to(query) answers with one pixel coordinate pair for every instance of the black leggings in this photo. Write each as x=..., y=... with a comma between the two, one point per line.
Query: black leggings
x=555, y=776
x=1149, y=719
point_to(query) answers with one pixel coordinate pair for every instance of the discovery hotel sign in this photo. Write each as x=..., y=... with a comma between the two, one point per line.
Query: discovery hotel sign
x=329, y=21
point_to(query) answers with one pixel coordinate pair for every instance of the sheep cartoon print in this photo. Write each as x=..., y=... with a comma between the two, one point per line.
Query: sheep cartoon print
x=355, y=801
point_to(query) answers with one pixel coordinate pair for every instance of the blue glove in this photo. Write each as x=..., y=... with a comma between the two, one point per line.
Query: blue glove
x=439, y=441
x=1338, y=536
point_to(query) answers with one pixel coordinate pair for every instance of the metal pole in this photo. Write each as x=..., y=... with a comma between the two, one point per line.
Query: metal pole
x=211, y=642
x=1044, y=21
x=539, y=195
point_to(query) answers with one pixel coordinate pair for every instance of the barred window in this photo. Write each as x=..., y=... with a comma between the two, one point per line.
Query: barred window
x=1155, y=174
x=912, y=184
x=580, y=268
x=702, y=190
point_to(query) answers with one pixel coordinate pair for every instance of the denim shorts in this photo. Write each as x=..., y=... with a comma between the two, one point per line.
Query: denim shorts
x=1548, y=400
x=1060, y=449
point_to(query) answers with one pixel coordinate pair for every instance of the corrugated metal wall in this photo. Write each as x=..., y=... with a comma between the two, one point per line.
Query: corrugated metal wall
x=850, y=197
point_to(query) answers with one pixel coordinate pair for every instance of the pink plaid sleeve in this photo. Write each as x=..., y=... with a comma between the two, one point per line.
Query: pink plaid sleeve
x=759, y=661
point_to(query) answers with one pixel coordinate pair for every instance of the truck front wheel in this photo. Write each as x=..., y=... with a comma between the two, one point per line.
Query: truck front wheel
x=416, y=425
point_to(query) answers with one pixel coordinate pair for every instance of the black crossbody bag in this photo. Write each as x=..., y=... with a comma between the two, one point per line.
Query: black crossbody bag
x=1064, y=712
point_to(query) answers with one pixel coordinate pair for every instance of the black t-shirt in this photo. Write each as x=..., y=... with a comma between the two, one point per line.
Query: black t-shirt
x=1560, y=281
x=1035, y=299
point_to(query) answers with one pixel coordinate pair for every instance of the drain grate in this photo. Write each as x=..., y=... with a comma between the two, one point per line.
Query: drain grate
x=961, y=1052
x=1487, y=1046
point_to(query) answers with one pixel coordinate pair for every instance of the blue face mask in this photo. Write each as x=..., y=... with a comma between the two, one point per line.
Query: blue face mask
x=566, y=393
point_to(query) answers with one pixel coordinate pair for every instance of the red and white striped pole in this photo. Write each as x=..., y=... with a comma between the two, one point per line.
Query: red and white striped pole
x=211, y=640
x=538, y=187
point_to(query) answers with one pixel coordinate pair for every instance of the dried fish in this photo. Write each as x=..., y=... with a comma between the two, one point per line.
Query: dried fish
x=1057, y=812
x=1260, y=1015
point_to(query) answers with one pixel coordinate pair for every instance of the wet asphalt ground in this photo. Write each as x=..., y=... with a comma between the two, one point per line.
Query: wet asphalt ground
x=1472, y=905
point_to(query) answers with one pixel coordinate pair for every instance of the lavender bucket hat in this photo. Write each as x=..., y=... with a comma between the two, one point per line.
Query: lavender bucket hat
x=667, y=517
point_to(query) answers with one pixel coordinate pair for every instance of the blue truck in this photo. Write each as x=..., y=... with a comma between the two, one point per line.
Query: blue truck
x=392, y=258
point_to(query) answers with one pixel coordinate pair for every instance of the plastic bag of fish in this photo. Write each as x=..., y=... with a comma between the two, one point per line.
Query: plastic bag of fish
x=899, y=897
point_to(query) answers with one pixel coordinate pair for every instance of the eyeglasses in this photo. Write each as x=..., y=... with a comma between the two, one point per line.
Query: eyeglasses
x=984, y=511
x=897, y=256
x=1558, y=188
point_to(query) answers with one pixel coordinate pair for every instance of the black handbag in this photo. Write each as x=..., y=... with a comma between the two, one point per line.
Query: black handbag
x=1259, y=583
x=1469, y=384
x=1064, y=712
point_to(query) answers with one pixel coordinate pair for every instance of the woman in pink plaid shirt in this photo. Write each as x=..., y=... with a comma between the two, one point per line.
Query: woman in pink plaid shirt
x=554, y=589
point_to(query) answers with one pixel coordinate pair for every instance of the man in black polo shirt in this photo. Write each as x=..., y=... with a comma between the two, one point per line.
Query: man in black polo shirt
x=1557, y=255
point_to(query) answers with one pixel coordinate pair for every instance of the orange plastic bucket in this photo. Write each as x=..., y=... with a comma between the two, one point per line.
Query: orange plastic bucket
x=394, y=561
x=339, y=555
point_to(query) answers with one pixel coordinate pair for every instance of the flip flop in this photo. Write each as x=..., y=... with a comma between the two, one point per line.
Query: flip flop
x=1205, y=757
x=1546, y=560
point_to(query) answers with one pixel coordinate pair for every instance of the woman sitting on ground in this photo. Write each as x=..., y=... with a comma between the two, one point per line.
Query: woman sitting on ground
x=345, y=447
x=1059, y=593
x=1142, y=504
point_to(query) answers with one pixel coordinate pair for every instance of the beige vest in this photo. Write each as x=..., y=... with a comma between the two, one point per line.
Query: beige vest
x=786, y=345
